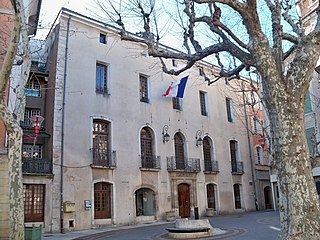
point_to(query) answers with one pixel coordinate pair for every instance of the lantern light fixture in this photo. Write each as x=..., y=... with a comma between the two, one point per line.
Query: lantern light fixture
x=198, y=138
x=165, y=135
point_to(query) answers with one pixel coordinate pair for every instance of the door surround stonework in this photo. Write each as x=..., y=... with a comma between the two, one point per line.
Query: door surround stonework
x=179, y=177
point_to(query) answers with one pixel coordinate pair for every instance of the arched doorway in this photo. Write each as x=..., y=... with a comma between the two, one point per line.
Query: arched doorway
x=145, y=202
x=211, y=196
x=184, y=200
x=267, y=197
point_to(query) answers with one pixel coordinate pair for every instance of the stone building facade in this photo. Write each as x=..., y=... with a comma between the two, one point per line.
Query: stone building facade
x=121, y=152
x=307, y=12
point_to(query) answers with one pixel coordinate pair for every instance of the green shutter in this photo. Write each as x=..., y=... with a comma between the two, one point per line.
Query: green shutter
x=307, y=104
x=310, y=134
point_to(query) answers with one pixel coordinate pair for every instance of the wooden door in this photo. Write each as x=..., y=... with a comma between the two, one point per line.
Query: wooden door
x=102, y=200
x=34, y=199
x=184, y=200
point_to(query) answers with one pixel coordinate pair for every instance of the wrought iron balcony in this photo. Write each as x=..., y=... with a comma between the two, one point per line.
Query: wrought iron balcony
x=27, y=124
x=151, y=162
x=35, y=165
x=211, y=166
x=103, y=158
x=237, y=167
x=186, y=164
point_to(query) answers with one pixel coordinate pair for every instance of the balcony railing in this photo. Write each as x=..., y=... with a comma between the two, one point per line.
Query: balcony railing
x=211, y=166
x=237, y=167
x=103, y=158
x=186, y=164
x=27, y=124
x=151, y=162
x=34, y=165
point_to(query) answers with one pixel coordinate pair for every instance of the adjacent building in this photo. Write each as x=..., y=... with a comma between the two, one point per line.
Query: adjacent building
x=261, y=150
x=31, y=13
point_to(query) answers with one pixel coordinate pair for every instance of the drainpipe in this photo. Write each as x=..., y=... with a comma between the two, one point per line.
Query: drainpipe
x=62, y=125
x=250, y=152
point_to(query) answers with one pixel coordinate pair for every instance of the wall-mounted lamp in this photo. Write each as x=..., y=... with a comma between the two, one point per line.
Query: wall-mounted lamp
x=198, y=138
x=165, y=135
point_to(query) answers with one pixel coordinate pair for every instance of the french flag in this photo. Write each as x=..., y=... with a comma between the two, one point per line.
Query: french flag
x=176, y=89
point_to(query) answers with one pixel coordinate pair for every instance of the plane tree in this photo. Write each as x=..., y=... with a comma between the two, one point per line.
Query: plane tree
x=14, y=51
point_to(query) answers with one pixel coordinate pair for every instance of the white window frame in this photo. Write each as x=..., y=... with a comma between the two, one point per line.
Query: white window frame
x=148, y=99
x=107, y=90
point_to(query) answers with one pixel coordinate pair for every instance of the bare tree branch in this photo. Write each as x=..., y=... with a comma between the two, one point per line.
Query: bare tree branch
x=290, y=38
x=295, y=27
x=176, y=72
x=225, y=28
x=289, y=52
x=191, y=15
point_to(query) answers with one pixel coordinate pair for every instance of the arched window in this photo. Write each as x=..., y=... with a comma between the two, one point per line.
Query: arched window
x=147, y=155
x=211, y=196
x=236, y=165
x=237, y=196
x=259, y=153
x=101, y=143
x=32, y=88
x=208, y=156
x=102, y=200
x=179, y=150
x=145, y=202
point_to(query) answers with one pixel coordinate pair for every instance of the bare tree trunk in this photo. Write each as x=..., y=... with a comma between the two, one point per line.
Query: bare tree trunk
x=16, y=218
x=299, y=202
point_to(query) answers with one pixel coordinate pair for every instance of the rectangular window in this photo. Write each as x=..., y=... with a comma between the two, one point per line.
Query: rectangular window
x=31, y=151
x=229, y=109
x=34, y=199
x=32, y=88
x=144, y=94
x=233, y=155
x=28, y=113
x=101, y=78
x=177, y=103
x=254, y=121
x=203, y=103
x=103, y=38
